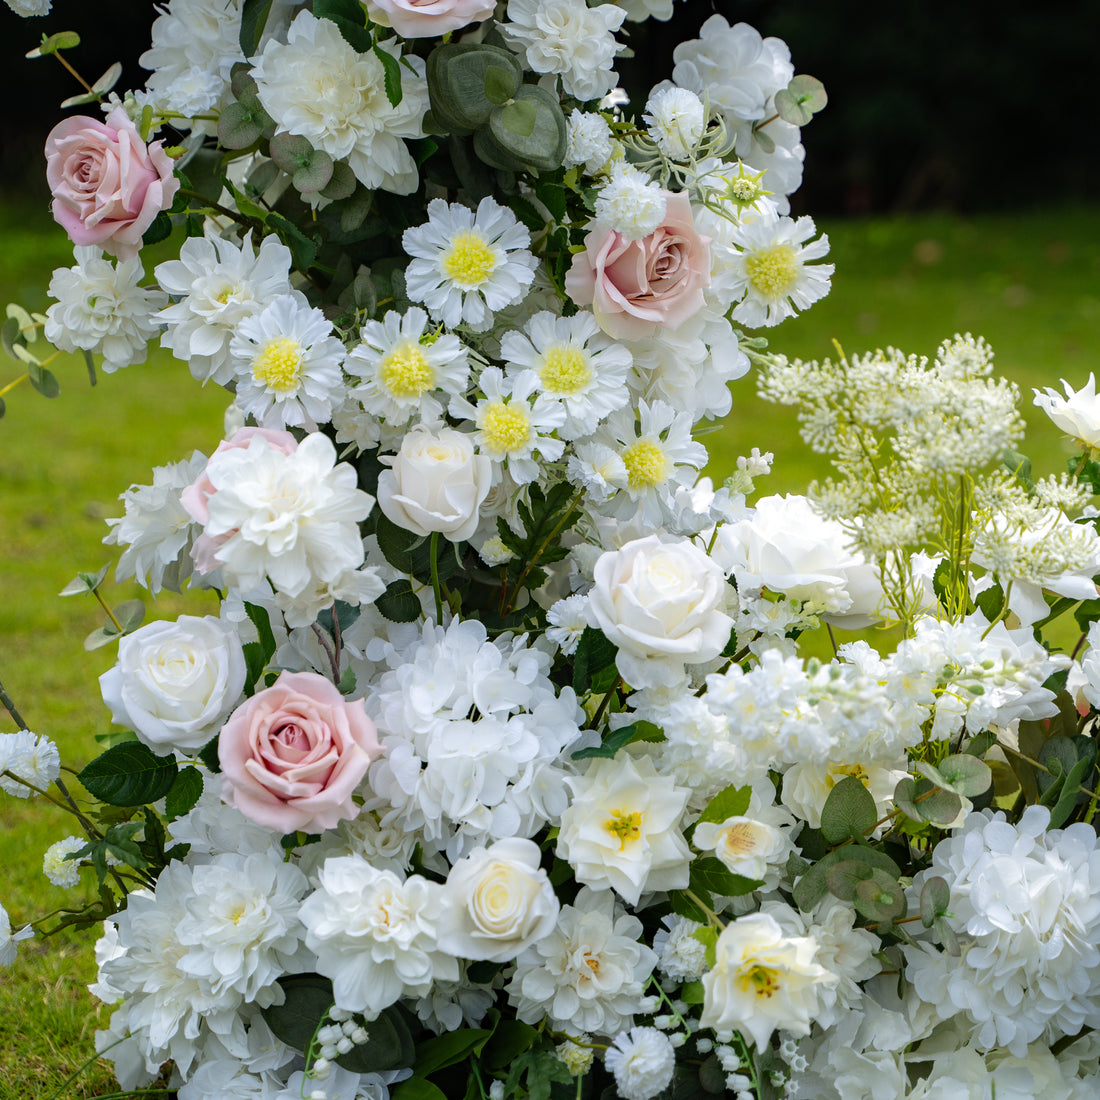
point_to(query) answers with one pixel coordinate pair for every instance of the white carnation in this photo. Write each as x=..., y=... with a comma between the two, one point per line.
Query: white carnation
x=642, y=1062
x=588, y=141
x=32, y=758
x=630, y=203
x=60, y=870
x=675, y=118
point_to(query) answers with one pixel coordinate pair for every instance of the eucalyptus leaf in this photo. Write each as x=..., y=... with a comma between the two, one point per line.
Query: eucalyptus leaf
x=935, y=897
x=458, y=80
x=849, y=811
x=239, y=127
x=10, y=334
x=130, y=615
x=879, y=898
x=812, y=887
x=50, y=44
x=108, y=80
x=531, y=128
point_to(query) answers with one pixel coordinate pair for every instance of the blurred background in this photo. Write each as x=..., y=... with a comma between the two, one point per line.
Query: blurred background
x=953, y=169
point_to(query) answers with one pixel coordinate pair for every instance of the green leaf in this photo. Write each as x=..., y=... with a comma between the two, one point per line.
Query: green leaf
x=509, y=1040
x=593, y=654
x=50, y=44
x=389, y=1045
x=1019, y=466
x=500, y=84
x=813, y=885
x=448, y=1049
x=307, y=998
x=89, y=362
x=991, y=601
x=399, y=603
x=526, y=212
x=254, y=15
x=130, y=615
x=941, y=579
x=935, y=898
x=800, y=100
x=108, y=80
x=351, y=17
x=618, y=739
x=84, y=582
x=302, y=249
x=184, y=793
x=1086, y=613
x=291, y=152
x=1070, y=793
x=849, y=811
x=531, y=129
x=880, y=898
x=692, y=993
x=208, y=754
x=964, y=774
x=129, y=775
x=10, y=334
x=713, y=876
x=981, y=743
x=391, y=74
x=729, y=802
x=416, y=1088
x=519, y=118
x=105, y=635
x=459, y=86
x=240, y=126
x=342, y=184
x=683, y=906
x=1058, y=755
x=552, y=195
x=254, y=666
x=42, y=379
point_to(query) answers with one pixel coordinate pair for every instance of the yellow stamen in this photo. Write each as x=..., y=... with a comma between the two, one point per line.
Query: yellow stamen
x=565, y=369
x=626, y=827
x=405, y=371
x=646, y=465
x=279, y=365
x=469, y=261
x=773, y=271
x=505, y=428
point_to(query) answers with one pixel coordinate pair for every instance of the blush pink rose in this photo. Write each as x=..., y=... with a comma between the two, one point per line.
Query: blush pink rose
x=195, y=498
x=107, y=185
x=293, y=754
x=428, y=18
x=636, y=287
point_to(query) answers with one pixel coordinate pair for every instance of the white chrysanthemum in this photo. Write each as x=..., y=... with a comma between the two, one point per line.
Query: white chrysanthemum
x=514, y=423
x=575, y=363
x=630, y=203
x=642, y=1063
x=240, y=925
x=588, y=141
x=1025, y=904
x=569, y=38
x=195, y=44
x=568, y=619
x=319, y=87
x=589, y=973
x=773, y=270
x=156, y=530
x=287, y=363
x=219, y=285
x=1077, y=414
x=10, y=940
x=100, y=308
x=32, y=758
x=622, y=829
x=467, y=265
x=291, y=518
x=680, y=956
x=675, y=118
x=375, y=935
x=402, y=371
x=60, y=870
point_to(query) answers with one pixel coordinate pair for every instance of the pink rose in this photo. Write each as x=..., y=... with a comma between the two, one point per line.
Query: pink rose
x=293, y=754
x=196, y=496
x=428, y=18
x=107, y=185
x=634, y=287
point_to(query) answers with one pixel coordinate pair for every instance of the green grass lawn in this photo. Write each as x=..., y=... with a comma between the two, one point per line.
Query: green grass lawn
x=1030, y=283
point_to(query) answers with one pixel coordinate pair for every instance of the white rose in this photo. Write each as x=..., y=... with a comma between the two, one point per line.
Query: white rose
x=498, y=901
x=746, y=846
x=660, y=603
x=435, y=483
x=786, y=546
x=1077, y=414
x=175, y=683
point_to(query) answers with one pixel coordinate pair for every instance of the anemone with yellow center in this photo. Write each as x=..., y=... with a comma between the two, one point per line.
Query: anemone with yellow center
x=278, y=365
x=565, y=370
x=405, y=371
x=505, y=427
x=469, y=262
x=646, y=464
x=773, y=271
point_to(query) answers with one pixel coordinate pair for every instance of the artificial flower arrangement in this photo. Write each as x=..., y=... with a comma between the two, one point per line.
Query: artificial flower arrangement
x=500, y=772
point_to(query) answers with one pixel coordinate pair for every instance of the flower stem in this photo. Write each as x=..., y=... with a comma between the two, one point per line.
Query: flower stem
x=434, y=554
x=12, y=385
x=110, y=613
x=9, y=706
x=66, y=65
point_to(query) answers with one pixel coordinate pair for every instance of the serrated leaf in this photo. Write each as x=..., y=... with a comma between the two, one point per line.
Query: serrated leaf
x=731, y=801
x=350, y=17
x=302, y=249
x=849, y=811
x=185, y=791
x=208, y=754
x=399, y=602
x=129, y=775
x=527, y=213
x=620, y=738
x=593, y=654
x=991, y=601
x=391, y=74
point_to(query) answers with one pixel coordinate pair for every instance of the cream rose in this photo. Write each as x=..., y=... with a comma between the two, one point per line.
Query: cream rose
x=498, y=901
x=293, y=754
x=638, y=287
x=428, y=18
x=174, y=683
x=435, y=484
x=661, y=604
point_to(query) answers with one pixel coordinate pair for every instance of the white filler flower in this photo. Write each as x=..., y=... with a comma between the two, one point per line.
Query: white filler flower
x=468, y=265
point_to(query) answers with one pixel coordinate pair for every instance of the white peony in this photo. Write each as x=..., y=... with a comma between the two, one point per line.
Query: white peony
x=175, y=683
x=374, y=935
x=660, y=602
x=497, y=902
x=622, y=828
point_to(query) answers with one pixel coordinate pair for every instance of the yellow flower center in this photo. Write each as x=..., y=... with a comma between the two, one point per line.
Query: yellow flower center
x=405, y=371
x=645, y=464
x=761, y=980
x=740, y=839
x=505, y=428
x=773, y=271
x=858, y=770
x=626, y=827
x=279, y=364
x=470, y=261
x=565, y=369
x=745, y=190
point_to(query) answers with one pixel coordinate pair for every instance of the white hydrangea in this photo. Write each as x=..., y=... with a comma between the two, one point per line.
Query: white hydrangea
x=642, y=1062
x=589, y=973
x=588, y=141
x=100, y=308
x=32, y=758
x=219, y=284
x=60, y=870
x=1025, y=904
x=317, y=86
x=569, y=38
x=630, y=203
x=374, y=935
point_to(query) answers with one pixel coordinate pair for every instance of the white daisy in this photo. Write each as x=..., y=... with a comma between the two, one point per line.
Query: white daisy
x=467, y=265
x=575, y=363
x=511, y=428
x=403, y=370
x=288, y=365
x=772, y=270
